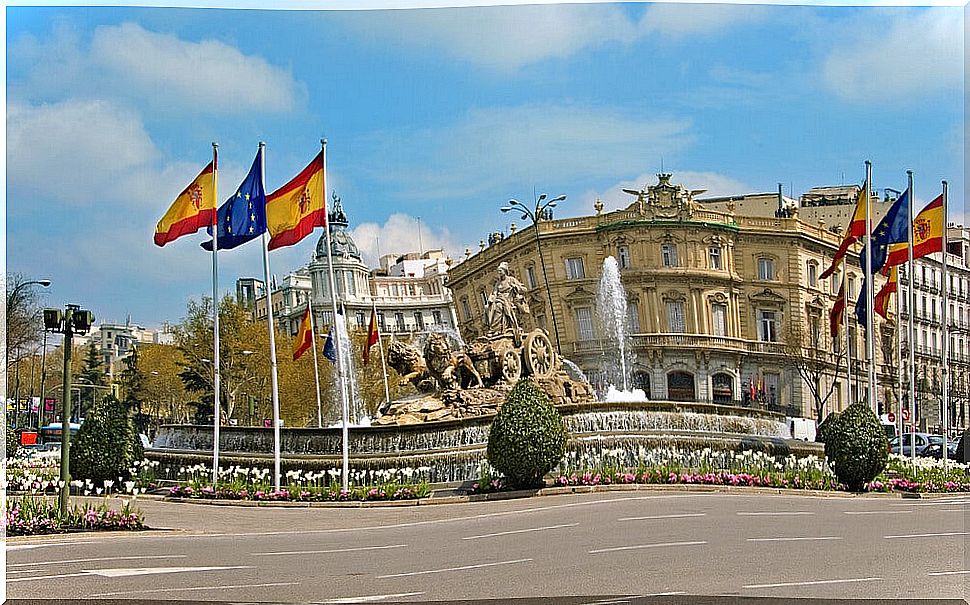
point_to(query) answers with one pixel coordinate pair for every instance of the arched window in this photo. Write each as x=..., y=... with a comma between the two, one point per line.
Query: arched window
x=680, y=386
x=722, y=387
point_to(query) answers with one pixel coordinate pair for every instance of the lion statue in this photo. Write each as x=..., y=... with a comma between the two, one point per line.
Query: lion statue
x=410, y=364
x=443, y=363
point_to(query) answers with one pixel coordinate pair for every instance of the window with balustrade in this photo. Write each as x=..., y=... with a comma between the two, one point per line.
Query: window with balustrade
x=633, y=317
x=767, y=325
x=668, y=255
x=584, y=323
x=719, y=319
x=675, y=317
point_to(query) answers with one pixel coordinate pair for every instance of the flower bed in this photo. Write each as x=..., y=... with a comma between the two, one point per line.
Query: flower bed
x=29, y=515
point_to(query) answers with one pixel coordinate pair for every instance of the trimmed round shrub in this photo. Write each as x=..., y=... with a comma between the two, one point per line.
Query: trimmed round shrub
x=107, y=444
x=856, y=446
x=13, y=442
x=825, y=426
x=528, y=436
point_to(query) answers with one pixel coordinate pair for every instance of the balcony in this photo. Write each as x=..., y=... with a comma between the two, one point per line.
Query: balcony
x=688, y=341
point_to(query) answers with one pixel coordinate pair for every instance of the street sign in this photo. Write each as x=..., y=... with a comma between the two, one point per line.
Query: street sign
x=892, y=417
x=906, y=415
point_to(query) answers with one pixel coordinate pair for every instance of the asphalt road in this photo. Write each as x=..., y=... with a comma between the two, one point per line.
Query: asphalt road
x=608, y=543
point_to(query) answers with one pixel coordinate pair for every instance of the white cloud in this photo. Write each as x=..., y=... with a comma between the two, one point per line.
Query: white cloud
x=510, y=150
x=713, y=183
x=683, y=20
x=398, y=235
x=160, y=70
x=896, y=55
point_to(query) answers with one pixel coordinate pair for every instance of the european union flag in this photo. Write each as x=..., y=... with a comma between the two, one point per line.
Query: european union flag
x=892, y=229
x=243, y=216
x=328, y=349
x=861, y=306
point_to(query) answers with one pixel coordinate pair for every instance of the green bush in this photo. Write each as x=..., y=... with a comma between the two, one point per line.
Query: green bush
x=13, y=442
x=107, y=444
x=528, y=436
x=856, y=446
x=825, y=426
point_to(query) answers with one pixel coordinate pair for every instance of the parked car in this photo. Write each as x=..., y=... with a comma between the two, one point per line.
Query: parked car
x=935, y=450
x=922, y=440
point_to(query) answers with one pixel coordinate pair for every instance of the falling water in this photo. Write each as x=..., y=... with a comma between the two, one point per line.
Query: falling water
x=611, y=300
x=356, y=411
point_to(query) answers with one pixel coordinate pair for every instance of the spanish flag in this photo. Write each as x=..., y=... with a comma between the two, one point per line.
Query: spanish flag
x=927, y=234
x=857, y=228
x=881, y=302
x=835, y=315
x=192, y=210
x=304, y=337
x=372, y=337
x=293, y=210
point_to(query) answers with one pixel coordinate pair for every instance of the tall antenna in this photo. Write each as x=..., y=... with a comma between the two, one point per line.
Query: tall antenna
x=420, y=244
x=661, y=164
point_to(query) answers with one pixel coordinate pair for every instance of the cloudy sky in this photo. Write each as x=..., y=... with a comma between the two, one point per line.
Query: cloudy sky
x=439, y=116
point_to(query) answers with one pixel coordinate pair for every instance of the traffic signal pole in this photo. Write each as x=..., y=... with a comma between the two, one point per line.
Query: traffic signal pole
x=66, y=413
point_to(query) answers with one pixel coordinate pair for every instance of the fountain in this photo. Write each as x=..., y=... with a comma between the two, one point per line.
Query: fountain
x=444, y=425
x=356, y=409
x=612, y=311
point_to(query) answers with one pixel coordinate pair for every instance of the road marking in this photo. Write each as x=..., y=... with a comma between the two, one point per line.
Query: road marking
x=32, y=578
x=145, y=571
x=639, y=596
x=10, y=571
x=179, y=589
x=639, y=546
x=10, y=547
x=948, y=573
x=798, y=539
x=680, y=516
x=950, y=533
x=372, y=598
x=323, y=552
x=97, y=559
x=775, y=514
x=811, y=583
x=879, y=512
x=520, y=531
x=462, y=568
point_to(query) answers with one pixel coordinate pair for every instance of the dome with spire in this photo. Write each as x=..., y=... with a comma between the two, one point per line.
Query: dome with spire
x=342, y=245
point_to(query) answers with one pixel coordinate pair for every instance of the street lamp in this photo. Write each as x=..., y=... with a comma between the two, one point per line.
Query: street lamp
x=536, y=214
x=11, y=303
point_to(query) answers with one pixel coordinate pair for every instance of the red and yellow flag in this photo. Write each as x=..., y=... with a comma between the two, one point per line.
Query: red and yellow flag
x=857, y=228
x=192, y=210
x=927, y=234
x=881, y=302
x=293, y=210
x=304, y=336
x=372, y=337
x=835, y=315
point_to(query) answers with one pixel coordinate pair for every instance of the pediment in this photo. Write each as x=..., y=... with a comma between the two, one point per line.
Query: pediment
x=767, y=296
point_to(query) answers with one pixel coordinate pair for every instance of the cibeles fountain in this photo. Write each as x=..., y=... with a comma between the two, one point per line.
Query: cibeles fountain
x=459, y=387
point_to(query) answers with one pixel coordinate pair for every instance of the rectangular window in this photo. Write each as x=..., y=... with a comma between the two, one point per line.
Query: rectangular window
x=530, y=277
x=771, y=387
x=465, y=308
x=853, y=349
x=419, y=320
x=851, y=287
x=766, y=269
x=361, y=320
x=812, y=271
x=714, y=254
x=574, y=268
x=327, y=317
x=399, y=320
x=584, y=323
x=624, y=253
x=633, y=318
x=675, y=317
x=668, y=255
x=437, y=317
x=719, y=319
x=767, y=326
x=381, y=322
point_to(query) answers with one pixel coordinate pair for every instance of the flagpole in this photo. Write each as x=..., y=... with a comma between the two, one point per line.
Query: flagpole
x=845, y=323
x=899, y=357
x=380, y=345
x=316, y=367
x=912, y=330
x=217, y=412
x=869, y=283
x=946, y=337
x=345, y=454
x=274, y=379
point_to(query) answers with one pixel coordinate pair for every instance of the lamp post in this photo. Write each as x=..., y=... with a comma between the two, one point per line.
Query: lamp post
x=536, y=214
x=11, y=303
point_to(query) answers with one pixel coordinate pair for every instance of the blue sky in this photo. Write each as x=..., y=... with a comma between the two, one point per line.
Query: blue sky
x=444, y=114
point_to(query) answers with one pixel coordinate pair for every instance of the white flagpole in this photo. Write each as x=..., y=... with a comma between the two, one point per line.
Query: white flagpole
x=215, y=319
x=272, y=339
x=380, y=345
x=316, y=367
x=899, y=357
x=345, y=453
x=845, y=329
x=869, y=281
x=912, y=330
x=946, y=337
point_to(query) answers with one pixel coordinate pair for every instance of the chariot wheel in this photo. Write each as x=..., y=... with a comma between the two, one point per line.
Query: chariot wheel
x=511, y=366
x=540, y=357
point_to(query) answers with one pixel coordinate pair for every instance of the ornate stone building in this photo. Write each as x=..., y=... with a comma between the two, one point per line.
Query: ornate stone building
x=717, y=297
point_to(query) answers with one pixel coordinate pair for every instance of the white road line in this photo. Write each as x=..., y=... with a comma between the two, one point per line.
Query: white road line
x=97, y=559
x=879, y=512
x=949, y=573
x=146, y=571
x=462, y=568
x=10, y=571
x=32, y=578
x=180, y=589
x=10, y=547
x=680, y=516
x=639, y=596
x=811, y=583
x=372, y=598
x=520, y=531
x=939, y=535
x=324, y=552
x=795, y=539
x=775, y=514
x=640, y=546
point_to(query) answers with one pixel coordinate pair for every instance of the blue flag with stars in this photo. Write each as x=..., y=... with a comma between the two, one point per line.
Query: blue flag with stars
x=243, y=216
x=328, y=349
x=892, y=229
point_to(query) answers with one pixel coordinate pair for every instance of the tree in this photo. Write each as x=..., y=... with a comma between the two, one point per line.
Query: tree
x=161, y=393
x=807, y=350
x=24, y=316
x=107, y=443
x=92, y=373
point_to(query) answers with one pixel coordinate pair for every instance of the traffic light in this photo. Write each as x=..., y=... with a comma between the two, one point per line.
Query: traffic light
x=52, y=319
x=81, y=320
